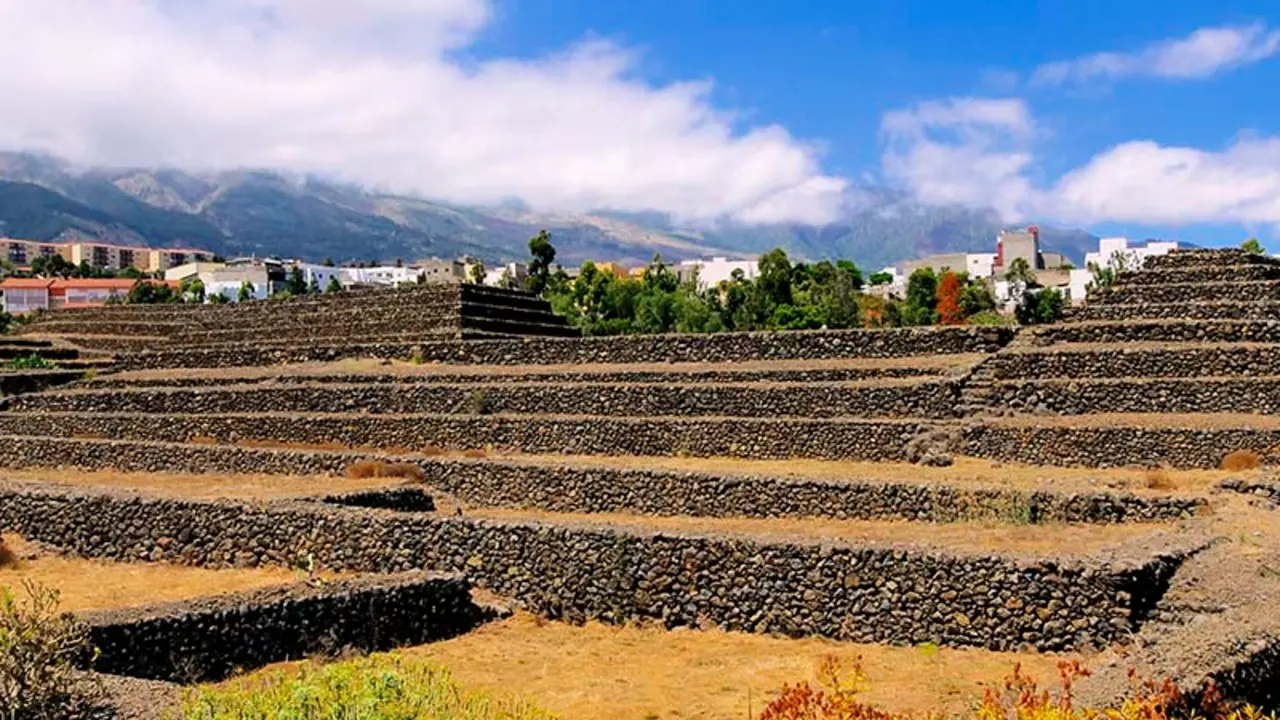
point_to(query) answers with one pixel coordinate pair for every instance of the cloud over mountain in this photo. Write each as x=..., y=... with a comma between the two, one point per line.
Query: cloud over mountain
x=371, y=92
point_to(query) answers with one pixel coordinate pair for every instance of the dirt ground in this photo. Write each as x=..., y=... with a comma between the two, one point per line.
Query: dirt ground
x=206, y=486
x=95, y=585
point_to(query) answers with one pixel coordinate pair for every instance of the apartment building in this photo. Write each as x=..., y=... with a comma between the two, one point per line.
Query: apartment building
x=712, y=272
x=102, y=255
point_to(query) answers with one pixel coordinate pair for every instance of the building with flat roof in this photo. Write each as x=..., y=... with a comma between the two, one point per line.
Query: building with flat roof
x=24, y=295
x=716, y=270
x=107, y=256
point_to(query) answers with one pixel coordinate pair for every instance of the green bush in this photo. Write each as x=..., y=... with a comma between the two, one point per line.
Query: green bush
x=380, y=687
x=31, y=362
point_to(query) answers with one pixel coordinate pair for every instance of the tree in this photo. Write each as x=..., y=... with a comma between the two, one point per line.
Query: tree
x=313, y=286
x=150, y=293
x=1253, y=246
x=507, y=281
x=246, y=291
x=948, y=297
x=976, y=298
x=328, y=262
x=477, y=273
x=52, y=266
x=881, y=278
x=541, y=254
x=658, y=278
x=296, y=284
x=191, y=289
x=1044, y=306
x=219, y=298
x=922, y=297
x=129, y=273
x=775, y=277
x=333, y=285
x=1020, y=273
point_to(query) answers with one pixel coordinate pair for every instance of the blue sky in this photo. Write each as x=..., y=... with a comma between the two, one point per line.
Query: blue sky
x=1139, y=118
x=829, y=70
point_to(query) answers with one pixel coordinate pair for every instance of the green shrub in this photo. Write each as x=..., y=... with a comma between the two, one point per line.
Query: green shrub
x=39, y=649
x=380, y=687
x=31, y=362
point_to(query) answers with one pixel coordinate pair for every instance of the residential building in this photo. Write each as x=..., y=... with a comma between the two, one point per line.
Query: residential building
x=101, y=255
x=393, y=275
x=978, y=265
x=1012, y=245
x=22, y=252
x=518, y=271
x=202, y=270
x=1115, y=253
x=23, y=295
x=897, y=287
x=319, y=275
x=265, y=276
x=712, y=272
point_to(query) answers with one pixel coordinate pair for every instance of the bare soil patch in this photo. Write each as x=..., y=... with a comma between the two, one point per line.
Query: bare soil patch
x=96, y=585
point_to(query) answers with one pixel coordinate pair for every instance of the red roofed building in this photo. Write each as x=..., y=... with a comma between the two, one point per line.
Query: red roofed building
x=22, y=295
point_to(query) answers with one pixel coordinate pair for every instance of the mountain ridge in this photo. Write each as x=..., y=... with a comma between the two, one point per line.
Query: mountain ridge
x=269, y=213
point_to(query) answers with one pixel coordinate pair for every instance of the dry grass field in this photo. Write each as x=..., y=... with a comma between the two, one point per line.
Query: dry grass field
x=85, y=585
x=603, y=672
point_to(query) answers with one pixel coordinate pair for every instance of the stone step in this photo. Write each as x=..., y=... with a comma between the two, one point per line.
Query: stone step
x=1253, y=310
x=907, y=399
x=1158, y=331
x=1268, y=290
x=603, y=487
x=1152, y=360
x=1184, y=259
x=1250, y=395
x=752, y=438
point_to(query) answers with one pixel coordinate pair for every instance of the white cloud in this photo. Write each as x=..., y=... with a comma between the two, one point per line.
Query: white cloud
x=965, y=151
x=1144, y=182
x=981, y=153
x=1201, y=54
x=368, y=92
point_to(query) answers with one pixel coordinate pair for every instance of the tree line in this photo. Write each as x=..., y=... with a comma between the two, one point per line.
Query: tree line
x=785, y=295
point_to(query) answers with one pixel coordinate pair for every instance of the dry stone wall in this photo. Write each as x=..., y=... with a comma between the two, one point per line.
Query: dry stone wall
x=1191, y=292
x=1121, y=361
x=1136, y=395
x=865, y=593
x=210, y=638
x=1162, y=331
x=1256, y=310
x=1193, y=446
x=709, y=348
x=831, y=439
x=923, y=399
x=600, y=489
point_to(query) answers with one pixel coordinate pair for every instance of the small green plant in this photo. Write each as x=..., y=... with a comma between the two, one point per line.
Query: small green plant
x=1252, y=246
x=31, y=362
x=416, y=356
x=479, y=402
x=379, y=687
x=39, y=652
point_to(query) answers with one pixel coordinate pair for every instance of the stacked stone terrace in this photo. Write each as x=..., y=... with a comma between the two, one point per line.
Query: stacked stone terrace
x=1173, y=366
x=752, y=482
x=332, y=323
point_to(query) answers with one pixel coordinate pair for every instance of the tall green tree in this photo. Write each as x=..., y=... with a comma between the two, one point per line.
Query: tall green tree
x=541, y=254
x=246, y=291
x=296, y=283
x=775, y=277
x=922, y=298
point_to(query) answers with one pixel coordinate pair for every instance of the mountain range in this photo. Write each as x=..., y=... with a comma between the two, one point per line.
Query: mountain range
x=271, y=213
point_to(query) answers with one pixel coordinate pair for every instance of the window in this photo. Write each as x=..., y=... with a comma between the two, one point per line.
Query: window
x=101, y=256
x=48, y=251
x=126, y=258
x=176, y=259
x=21, y=300
x=17, y=253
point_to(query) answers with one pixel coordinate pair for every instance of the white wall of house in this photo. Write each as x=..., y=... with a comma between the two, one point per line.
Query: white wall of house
x=383, y=275
x=716, y=270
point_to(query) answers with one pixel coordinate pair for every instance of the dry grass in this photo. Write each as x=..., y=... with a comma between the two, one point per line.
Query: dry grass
x=362, y=469
x=965, y=471
x=1239, y=460
x=1158, y=479
x=205, y=486
x=1032, y=540
x=601, y=672
x=93, y=585
x=378, y=367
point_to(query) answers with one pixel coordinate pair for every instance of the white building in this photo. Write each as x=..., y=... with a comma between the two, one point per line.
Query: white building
x=1115, y=253
x=390, y=275
x=517, y=271
x=716, y=270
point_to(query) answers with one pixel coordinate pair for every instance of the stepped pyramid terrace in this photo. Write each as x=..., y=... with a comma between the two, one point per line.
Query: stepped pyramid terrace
x=613, y=526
